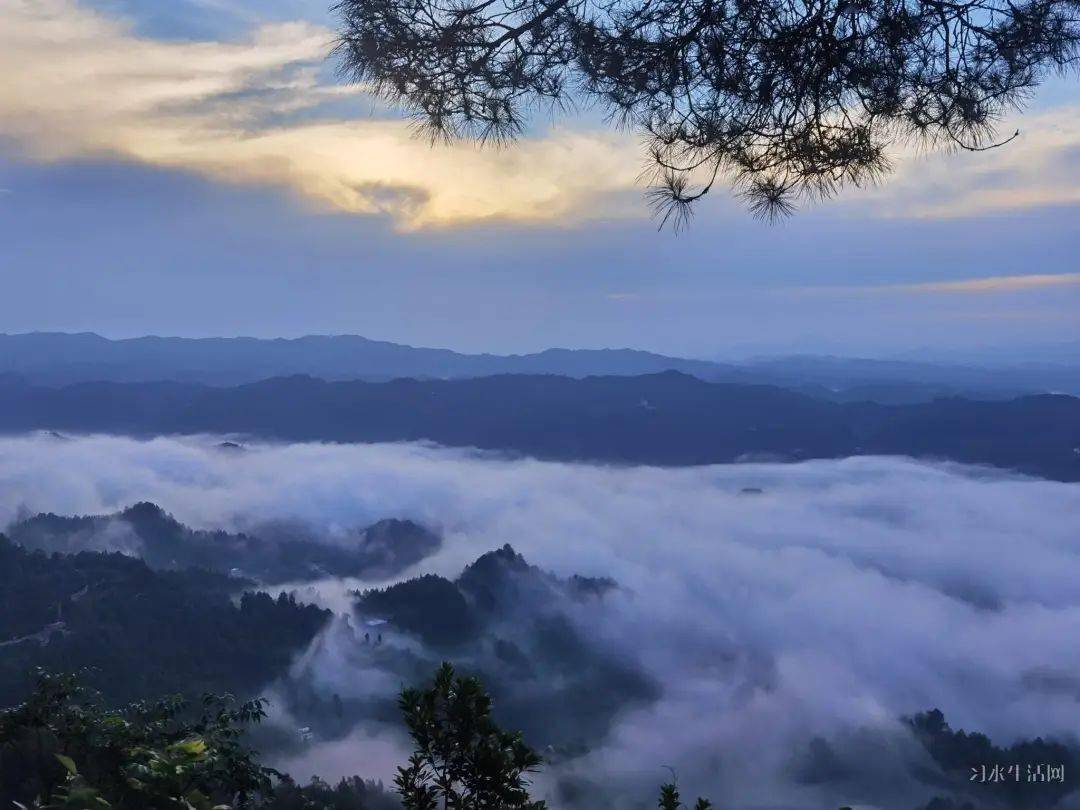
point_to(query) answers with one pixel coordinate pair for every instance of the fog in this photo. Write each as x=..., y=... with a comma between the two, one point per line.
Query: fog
x=840, y=597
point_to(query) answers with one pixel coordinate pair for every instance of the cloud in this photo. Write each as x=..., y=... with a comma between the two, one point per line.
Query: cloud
x=988, y=284
x=1038, y=169
x=993, y=283
x=844, y=595
x=81, y=84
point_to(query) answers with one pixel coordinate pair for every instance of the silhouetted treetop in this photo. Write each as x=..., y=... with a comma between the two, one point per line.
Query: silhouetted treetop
x=788, y=99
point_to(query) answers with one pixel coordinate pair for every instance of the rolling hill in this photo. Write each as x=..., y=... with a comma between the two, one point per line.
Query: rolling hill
x=660, y=419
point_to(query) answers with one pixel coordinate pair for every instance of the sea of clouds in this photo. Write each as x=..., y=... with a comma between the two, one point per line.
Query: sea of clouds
x=842, y=596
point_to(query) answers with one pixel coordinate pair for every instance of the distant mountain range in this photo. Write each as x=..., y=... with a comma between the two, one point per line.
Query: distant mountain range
x=57, y=359
x=665, y=419
x=1062, y=353
x=851, y=378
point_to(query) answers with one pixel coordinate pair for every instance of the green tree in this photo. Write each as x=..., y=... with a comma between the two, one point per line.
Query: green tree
x=462, y=760
x=670, y=799
x=61, y=749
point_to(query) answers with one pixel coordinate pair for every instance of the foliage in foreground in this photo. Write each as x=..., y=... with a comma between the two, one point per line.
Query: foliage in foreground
x=60, y=750
x=462, y=758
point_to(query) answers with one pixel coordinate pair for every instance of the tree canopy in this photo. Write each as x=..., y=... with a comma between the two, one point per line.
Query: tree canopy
x=787, y=99
x=63, y=748
x=462, y=758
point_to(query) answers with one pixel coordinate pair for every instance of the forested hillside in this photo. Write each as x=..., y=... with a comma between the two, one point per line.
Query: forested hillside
x=285, y=554
x=661, y=419
x=137, y=633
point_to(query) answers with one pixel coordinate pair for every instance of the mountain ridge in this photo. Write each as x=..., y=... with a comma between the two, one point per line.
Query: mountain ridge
x=58, y=359
x=665, y=419
x=88, y=356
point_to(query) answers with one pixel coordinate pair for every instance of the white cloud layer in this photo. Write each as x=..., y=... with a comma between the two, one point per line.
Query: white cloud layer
x=846, y=594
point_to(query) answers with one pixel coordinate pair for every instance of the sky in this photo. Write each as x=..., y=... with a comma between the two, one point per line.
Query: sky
x=195, y=168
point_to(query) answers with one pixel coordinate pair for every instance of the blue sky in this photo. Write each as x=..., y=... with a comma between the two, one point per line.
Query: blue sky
x=192, y=168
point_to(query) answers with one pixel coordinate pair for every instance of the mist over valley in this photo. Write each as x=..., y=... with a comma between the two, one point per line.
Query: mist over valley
x=759, y=627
